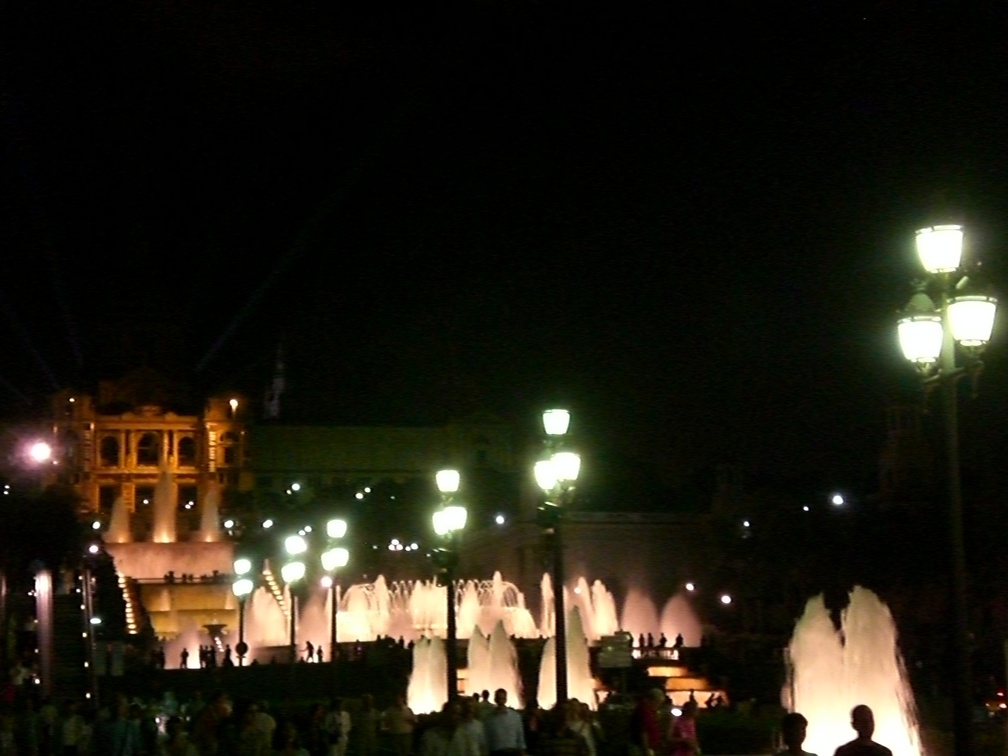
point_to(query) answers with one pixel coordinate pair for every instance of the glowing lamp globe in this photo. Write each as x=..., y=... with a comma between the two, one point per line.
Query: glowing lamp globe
x=545, y=474
x=242, y=566
x=556, y=421
x=920, y=337
x=333, y=559
x=567, y=465
x=336, y=528
x=447, y=481
x=292, y=571
x=295, y=544
x=449, y=520
x=940, y=248
x=242, y=588
x=40, y=451
x=971, y=319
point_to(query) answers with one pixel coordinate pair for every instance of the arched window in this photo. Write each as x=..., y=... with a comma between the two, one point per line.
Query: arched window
x=108, y=451
x=149, y=449
x=187, y=451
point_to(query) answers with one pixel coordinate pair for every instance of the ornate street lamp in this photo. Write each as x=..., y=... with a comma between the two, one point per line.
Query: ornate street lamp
x=556, y=475
x=291, y=573
x=943, y=323
x=333, y=559
x=241, y=588
x=448, y=522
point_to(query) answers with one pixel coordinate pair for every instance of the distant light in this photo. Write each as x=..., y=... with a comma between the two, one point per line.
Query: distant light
x=358, y=496
x=295, y=486
x=234, y=404
x=242, y=566
x=413, y=546
x=499, y=519
x=690, y=586
x=367, y=489
x=745, y=523
x=189, y=505
x=805, y=508
x=307, y=528
x=336, y=528
x=577, y=589
x=40, y=451
x=295, y=544
x=267, y=523
x=96, y=525
x=837, y=500
x=676, y=711
x=326, y=581
x=96, y=620
x=725, y=598
x=229, y=524
x=93, y=548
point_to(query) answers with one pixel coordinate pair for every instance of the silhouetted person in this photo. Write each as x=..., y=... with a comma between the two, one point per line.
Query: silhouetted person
x=863, y=722
x=184, y=659
x=650, y=640
x=318, y=654
x=793, y=726
x=678, y=642
x=662, y=641
x=640, y=641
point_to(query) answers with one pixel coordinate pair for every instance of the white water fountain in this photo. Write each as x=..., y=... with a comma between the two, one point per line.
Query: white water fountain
x=164, y=530
x=428, y=684
x=580, y=683
x=835, y=669
x=210, y=530
x=493, y=664
x=119, y=524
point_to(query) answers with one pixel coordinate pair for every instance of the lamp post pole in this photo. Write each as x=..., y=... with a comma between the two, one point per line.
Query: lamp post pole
x=241, y=588
x=929, y=334
x=556, y=476
x=559, y=614
x=448, y=522
x=333, y=616
x=291, y=572
x=242, y=648
x=333, y=558
x=962, y=674
x=451, y=652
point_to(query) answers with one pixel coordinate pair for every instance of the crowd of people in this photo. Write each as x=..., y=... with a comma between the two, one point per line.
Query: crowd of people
x=652, y=735
x=473, y=726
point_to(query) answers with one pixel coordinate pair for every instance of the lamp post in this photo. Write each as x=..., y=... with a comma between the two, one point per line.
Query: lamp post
x=241, y=588
x=448, y=522
x=556, y=475
x=291, y=573
x=333, y=558
x=941, y=315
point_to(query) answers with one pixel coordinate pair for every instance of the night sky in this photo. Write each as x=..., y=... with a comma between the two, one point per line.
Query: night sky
x=692, y=223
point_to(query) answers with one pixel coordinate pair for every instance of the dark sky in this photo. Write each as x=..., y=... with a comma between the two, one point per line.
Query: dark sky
x=691, y=222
